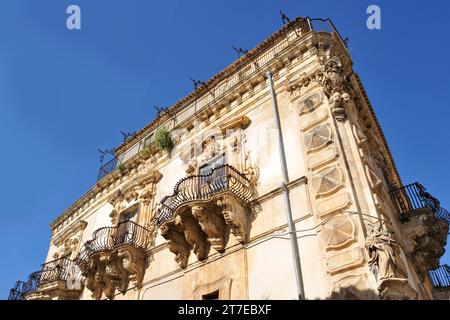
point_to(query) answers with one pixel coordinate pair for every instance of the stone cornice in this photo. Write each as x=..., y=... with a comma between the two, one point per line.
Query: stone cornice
x=375, y=119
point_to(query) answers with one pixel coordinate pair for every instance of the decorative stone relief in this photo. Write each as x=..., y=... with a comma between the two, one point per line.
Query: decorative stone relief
x=310, y=103
x=426, y=238
x=327, y=181
x=338, y=104
x=194, y=235
x=335, y=81
x=176, y=241
x=318, y=137
x=212, y=224
x=386, y=265
x=71, y=242
x=236, y=216
x=131, y=264
x=210, y=148
x=339, y=232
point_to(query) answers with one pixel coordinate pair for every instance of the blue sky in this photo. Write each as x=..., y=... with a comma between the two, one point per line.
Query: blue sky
x=64, y=94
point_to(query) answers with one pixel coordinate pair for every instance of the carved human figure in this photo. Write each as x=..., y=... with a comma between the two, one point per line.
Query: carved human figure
x=212, y=225
x=177, y=243
x=384, y=256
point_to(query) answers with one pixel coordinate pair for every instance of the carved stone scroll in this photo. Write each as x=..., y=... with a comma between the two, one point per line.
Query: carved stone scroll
x=212, y=225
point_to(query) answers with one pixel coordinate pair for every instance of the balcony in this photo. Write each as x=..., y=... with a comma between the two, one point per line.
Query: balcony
x=16, y=293
x=114, y=257
x=425, y=225
x=440, y=277
x=58, y=279
x=202, y=208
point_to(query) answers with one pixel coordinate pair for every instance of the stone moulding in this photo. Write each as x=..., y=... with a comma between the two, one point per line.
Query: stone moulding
x=321, y=159
x=336, y=203
x=345, y=260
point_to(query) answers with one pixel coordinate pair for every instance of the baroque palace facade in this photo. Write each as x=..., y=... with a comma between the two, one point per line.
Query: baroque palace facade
x=272, y=180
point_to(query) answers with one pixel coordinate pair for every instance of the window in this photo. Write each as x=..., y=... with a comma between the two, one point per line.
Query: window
x=129, y=216
x=211, y=296
x=213, y=163
x=125, y=230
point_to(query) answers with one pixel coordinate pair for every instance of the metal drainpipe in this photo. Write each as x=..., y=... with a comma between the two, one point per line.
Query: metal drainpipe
x=287, y=201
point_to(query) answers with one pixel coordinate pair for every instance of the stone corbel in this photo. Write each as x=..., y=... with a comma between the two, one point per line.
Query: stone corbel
x=212, y=225
x=176, y=242
x=194, y=235
x=236, y=216
x=132, y=265
x=338, y=103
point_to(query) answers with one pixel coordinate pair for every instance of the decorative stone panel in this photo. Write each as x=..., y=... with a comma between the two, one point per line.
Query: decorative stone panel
x=327, y=181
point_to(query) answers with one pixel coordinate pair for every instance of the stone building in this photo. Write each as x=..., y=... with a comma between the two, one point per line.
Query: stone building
x=272, y=180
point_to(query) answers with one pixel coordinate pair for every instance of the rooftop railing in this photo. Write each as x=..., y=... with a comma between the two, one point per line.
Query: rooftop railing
x=109, y=238
x=106, y=169
x=224, y=178
x=440, y=278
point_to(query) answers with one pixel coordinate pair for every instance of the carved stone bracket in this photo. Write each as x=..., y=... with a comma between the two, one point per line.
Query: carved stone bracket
x=194, y=235
x=176, y=241
x=108, y=271
x=212, y=225
x=425, y=241
x=236, y=216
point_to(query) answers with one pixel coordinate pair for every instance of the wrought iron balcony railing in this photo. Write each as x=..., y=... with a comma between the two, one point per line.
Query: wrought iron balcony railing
x=222, y=179
x=440, y=278
x=413, y=197
x=62, y=269
x=16, y=293
x=33, y=282
x=59, y=270
x=109, y=238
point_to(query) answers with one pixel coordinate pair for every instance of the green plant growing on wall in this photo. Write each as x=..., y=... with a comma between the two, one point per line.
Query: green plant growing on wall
x=121, y=168
x=162, y=139
x=145, y=152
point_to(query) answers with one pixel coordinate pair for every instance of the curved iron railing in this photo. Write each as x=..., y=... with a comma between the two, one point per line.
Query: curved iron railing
x=57, y=270
x=34, y=280
x=204, y=187
x=60, y=269
x=109, y=238
x=440, y=278
x=414, y=196
x=16, y=293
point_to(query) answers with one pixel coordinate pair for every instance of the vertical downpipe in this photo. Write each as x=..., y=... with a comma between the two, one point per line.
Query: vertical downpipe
x=287, y=201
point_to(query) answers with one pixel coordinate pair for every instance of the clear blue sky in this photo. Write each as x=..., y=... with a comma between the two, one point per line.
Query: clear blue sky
x=65, y=94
